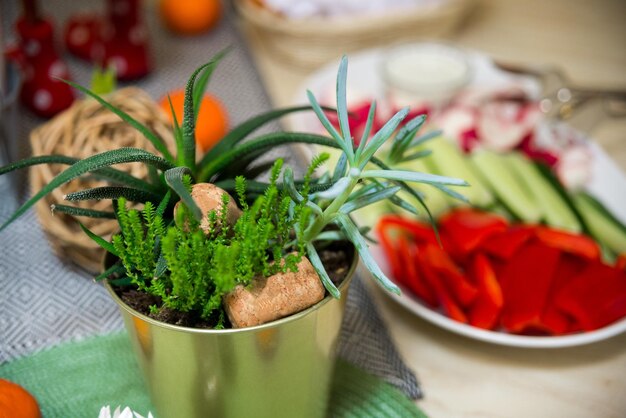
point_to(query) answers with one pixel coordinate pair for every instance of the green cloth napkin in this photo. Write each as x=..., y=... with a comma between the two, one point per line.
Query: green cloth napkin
x=77, y=379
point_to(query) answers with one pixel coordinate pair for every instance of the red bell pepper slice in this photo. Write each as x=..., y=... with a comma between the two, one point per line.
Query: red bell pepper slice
x=526, y=282
x=505, y=244
x=595, y=297
x=569, y=242
x=396, y=266
x=468, y=227
x=458, y=255
x=554, y=320
x=485, y=311
x=452, y=310
x=455, y=282
x=420, y=232
x=413, y=278
x=620, y=262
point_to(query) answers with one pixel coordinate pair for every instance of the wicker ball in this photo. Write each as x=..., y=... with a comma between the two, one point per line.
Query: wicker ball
x=85, y=129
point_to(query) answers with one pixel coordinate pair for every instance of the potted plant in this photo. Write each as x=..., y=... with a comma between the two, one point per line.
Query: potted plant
x=231, y=309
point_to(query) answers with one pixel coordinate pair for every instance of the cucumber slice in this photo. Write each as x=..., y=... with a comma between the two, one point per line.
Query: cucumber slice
x=601, y=223
x=551, y=178
x=495, y=171
x=555, y=210
x=447, y=158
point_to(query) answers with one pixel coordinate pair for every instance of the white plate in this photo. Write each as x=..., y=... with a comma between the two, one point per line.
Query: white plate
x=608, y=184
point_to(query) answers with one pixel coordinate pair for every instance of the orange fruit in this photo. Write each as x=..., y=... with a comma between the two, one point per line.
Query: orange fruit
x=16, y=402
x=212, y=122
x=190, y=17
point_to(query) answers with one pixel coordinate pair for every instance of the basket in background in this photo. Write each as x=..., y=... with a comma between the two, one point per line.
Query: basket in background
x=313, y=41
x=87, y=128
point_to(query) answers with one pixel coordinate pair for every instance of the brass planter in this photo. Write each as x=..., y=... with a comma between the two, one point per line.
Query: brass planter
x=280, y=369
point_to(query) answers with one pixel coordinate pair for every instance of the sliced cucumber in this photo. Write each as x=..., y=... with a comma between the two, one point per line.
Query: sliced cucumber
x=601, y=223
x=447, y=158
x=556, y=211
x=551, y=178
x=496, y=172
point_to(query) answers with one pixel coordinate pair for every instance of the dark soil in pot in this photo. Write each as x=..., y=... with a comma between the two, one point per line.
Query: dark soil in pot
x=336, y=257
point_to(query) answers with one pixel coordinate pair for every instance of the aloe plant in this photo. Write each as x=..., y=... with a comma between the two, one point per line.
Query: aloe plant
x=229, y=158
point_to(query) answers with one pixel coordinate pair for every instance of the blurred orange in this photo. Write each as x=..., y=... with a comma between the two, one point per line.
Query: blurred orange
x=212, y=123
x=16, y=402
x=190, y=17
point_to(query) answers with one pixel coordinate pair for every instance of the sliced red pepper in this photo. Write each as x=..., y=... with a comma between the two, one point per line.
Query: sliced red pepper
x=569, y=242
x=504, y=244
x=458, y=255
x=570, y=265
x=468, y=227
x=620, y=262
x=555, y=322
x=595, y=297
x=485, y=310
x=526, y=282
x=553, y=319
x=420, y=232
x=613, y=311
x=455, y=282
x=413, y=278
x=452, y=310
x=396, y=266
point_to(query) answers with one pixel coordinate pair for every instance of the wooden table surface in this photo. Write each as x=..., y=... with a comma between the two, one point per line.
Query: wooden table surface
x=467, y=378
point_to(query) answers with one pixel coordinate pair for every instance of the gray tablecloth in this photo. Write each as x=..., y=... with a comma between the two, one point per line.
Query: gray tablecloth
x=45, y=300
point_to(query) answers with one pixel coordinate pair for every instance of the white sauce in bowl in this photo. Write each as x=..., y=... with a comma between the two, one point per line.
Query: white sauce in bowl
x=425, y=72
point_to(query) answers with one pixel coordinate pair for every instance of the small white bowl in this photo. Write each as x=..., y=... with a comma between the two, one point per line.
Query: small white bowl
x=428, y=72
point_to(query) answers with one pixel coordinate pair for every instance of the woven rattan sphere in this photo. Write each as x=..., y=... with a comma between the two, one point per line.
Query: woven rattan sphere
x=85, y=129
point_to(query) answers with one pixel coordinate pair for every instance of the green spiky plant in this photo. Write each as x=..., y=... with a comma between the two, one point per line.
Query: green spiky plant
x=310, y=206
x=229, y=158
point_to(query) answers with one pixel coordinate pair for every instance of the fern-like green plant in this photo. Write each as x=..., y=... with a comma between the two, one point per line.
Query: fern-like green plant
x=190, y=270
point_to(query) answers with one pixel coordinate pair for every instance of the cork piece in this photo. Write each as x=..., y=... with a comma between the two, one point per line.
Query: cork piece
x=274, y=297
x=208, y=197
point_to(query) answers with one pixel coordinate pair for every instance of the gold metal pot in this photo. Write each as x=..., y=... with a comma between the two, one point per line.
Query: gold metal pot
x=280, y=369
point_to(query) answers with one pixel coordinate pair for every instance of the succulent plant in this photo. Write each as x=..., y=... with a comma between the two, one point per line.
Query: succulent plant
x=360, y=179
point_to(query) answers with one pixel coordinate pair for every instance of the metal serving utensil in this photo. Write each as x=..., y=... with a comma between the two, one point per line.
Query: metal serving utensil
x=581, y=107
